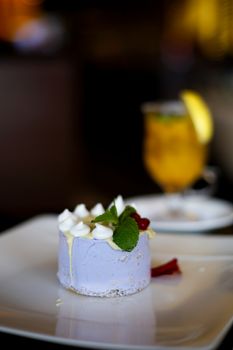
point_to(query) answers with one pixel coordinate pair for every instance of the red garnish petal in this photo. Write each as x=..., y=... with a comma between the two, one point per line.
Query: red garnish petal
x=143, y=223
x=136, y=217
x=166, y=269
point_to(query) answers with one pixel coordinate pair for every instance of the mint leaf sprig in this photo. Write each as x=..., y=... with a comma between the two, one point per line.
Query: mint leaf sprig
x=126, y=232
x=109, y=217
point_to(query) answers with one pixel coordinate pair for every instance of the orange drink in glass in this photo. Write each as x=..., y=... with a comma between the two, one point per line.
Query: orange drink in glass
x=172, y=153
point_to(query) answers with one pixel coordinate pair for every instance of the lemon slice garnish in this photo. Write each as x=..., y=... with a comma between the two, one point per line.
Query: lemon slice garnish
x=199, y=113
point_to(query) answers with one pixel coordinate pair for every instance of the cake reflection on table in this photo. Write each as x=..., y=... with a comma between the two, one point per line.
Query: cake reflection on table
x=128, y=320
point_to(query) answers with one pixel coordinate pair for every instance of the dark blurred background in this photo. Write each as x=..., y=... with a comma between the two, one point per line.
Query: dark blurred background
x=73, y=75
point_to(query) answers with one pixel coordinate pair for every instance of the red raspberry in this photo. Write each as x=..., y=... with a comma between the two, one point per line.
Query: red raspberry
x=143, y=223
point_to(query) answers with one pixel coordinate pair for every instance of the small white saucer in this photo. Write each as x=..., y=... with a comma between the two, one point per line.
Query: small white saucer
x=203, y=213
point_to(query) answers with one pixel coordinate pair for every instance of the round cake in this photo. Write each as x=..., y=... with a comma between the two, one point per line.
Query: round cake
x=104, y=253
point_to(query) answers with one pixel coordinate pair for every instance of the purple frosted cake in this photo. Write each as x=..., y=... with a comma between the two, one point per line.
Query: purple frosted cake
x=104, y=253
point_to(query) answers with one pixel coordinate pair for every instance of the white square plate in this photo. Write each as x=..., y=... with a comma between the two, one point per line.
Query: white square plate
x=193, y=310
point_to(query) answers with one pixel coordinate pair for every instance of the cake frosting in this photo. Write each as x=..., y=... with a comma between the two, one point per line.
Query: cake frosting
x=99, y=255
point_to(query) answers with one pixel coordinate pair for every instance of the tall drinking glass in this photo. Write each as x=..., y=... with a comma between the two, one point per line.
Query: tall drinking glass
x=172, y=152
